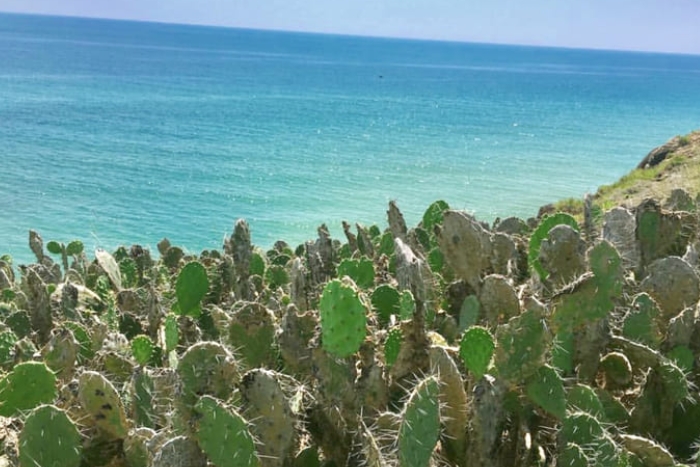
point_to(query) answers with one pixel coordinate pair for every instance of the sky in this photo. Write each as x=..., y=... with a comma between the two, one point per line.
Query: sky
x=646, y=25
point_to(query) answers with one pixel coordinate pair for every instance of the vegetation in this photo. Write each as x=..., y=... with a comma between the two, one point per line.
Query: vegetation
x=453, y=343
x=679, y=170
x=513, y=349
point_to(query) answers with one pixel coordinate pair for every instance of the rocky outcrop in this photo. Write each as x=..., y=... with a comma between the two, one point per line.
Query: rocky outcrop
x=659, y=154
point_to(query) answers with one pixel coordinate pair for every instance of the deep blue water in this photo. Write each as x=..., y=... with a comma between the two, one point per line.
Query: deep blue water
x=121, y=132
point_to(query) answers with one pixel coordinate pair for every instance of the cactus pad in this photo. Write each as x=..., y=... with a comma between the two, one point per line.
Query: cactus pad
x=274, y=426
x=223, y=435
x=142, y=348
x=49, y=439
x=392, y=346
x=420, y=425
x=582, y=398
x=521, y=345
x=101, y=401
x=476, y=349
x=343, y=318
x=251, y=333
x=617, y=369
x=547, y=224
x=360, y=271
x=26, y=387
x=385, y=301
x=191, y=287
x=546, y=389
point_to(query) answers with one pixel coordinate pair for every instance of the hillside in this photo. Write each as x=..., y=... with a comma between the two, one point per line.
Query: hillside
x=675, y=164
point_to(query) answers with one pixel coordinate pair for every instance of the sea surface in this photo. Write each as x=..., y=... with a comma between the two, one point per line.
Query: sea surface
x=117, y=132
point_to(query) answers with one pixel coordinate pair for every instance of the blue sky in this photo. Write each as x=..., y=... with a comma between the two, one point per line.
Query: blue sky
x=650, y=25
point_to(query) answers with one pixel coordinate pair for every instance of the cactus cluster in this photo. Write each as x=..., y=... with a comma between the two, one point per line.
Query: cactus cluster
x=456, y=343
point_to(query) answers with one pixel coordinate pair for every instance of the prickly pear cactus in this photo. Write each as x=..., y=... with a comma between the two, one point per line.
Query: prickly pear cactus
x=274, y=426
x=223, y=435
x=143, y=349
x=521, y=346
x=142, y=389
x=420, y=425
x=251, y=333
x=191, y=287
x=476, y=349
x=385, y=302
x=641, y=323
x=61, y=352
x=26, y=387
x=343, y=318
x=102, y=403
x=360, y=271
x=592, y=298
x=49, y=439
x=546, y=389
x=540, y=234
x=205, y=368
x=453, y=404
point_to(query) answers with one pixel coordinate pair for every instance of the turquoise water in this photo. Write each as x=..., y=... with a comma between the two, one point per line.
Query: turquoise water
x=123, y=132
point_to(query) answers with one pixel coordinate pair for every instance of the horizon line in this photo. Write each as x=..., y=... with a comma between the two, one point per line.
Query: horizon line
x=352, y=35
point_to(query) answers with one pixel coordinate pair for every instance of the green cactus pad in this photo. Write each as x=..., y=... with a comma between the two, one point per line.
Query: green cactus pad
x=171, y=333
x=476, y=350
x=276, y=276
x=420, y=425
x=360, y=271
x=582, y=429
x=54, y=247
x=74, y=248
x=20, y=323
x=191, y=287
x=223, y=435
x=49, y=439
x=29, y=385
x=573, y=456
x=206, y=368
x=82, y=336
x=142, y=399
x=142, y=348
x=434, y=214
x=547, y=224
x=617, y=369
x=436, y=260
x=582, y=398
x=521, y=345
x=101, y=401
x=257, y=265
x=683, y=357
x=385, y=300
x=641, y=323
x=675, y=383
x=593, y=299
x=546, y=389
x=343, y=318
x=251, y=333
x=392, y=346
x=407, y=305
x=7, y=345
x=563, y=352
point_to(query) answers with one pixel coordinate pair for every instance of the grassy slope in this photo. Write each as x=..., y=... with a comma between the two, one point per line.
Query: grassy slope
x=680, y=169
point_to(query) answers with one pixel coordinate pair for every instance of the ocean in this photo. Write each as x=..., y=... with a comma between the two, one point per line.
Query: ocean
x=116, y=132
